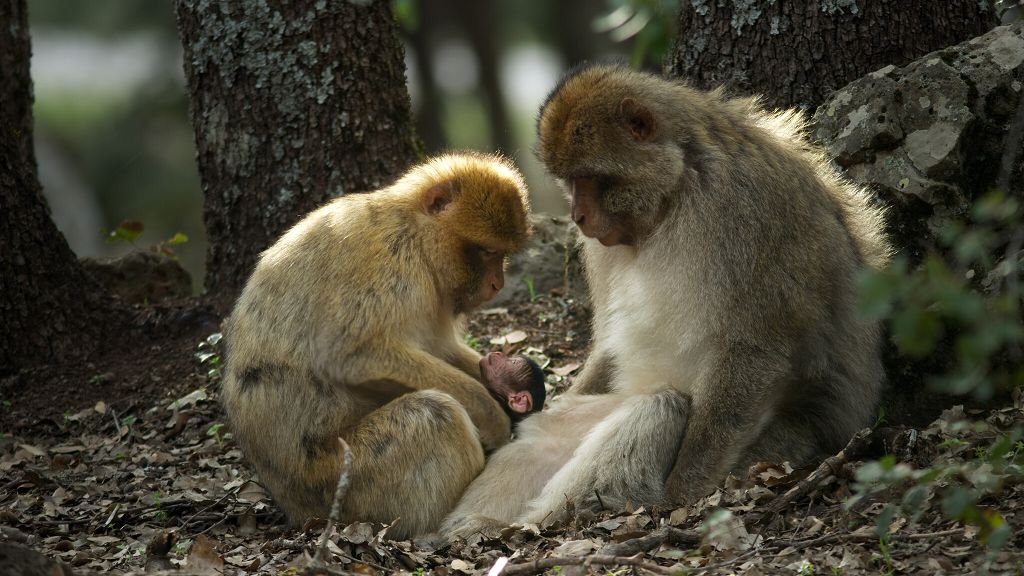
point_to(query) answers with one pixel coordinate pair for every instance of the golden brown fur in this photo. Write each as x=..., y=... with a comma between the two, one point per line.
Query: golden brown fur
x=349, y=327
x=720, y=249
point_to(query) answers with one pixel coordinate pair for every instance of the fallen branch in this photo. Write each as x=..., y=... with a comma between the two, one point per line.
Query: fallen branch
x=832, y=466
x=318, y=564
x=673, y=536
x=541, y=564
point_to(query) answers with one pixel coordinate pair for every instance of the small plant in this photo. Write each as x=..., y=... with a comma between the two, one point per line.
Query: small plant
x=161, y=514
x=208, y=354
x=806, y=568
x=473, y=342
x=214, y=432
x=129, y=230
x=529, y=287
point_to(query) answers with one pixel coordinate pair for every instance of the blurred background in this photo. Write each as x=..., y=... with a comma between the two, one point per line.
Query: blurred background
x=114, y=141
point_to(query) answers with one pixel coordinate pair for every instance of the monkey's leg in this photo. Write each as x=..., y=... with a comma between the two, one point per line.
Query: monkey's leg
x=627, y=456
x=412, y=459
x=789, y=438
x=516, y=473
x=597, y=374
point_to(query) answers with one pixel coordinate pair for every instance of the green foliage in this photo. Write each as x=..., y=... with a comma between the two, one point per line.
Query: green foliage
x=214, y=432
x=969, y=302
x=650, y=24
x=208, y=354
x=972, y=298
x=529, y=287
x=406, y=14
x=473, y=342
x=129, y=230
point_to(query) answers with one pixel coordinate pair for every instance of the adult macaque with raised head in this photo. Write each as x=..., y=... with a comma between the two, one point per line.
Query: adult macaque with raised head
x=720, y=249
x=349, y=327
x=515, y=381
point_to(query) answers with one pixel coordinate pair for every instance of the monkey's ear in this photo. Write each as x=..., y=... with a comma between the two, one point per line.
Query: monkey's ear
x=638, y=119
x=437, y=198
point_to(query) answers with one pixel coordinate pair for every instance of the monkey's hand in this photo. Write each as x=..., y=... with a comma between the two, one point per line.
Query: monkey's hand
x=422, y=371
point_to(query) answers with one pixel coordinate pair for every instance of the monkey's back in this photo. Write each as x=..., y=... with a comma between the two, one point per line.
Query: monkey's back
x=294, y=339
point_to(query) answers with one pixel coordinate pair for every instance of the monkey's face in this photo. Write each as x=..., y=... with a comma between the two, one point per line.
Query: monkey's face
x=484, y=279
x=587, y=200
x=602, y=134
x=514, y=382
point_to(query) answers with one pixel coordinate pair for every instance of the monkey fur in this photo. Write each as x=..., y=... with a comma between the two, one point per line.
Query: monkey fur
x=349, y=326
x=721, y=249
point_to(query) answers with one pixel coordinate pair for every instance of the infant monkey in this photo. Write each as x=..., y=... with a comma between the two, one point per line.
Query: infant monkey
x=516, y=381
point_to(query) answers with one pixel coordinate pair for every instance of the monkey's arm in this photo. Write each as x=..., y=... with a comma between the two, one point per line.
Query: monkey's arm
x=422, y=371
x=597, y=374
x=728, y=411
x=466, y=359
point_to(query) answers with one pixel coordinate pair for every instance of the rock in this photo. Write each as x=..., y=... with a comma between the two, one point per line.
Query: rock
x=550, y=262
x=17, y=560
x=141, y=276
x=930, y=136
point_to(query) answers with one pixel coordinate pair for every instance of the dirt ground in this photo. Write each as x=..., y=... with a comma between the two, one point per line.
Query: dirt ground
x=126, y=465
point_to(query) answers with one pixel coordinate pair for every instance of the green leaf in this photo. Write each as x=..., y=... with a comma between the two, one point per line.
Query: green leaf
x=178, y=238
x=126, y=231
x=956, y=503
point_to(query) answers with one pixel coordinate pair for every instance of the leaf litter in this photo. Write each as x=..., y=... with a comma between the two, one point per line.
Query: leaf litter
x=163, y=486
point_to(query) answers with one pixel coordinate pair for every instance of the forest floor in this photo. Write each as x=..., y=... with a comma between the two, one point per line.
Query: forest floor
x=127, y=465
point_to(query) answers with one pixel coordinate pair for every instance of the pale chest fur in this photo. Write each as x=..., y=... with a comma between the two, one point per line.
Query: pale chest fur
x=657, y=329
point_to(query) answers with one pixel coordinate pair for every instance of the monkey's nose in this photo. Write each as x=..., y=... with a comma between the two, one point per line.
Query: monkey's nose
x=578, y=216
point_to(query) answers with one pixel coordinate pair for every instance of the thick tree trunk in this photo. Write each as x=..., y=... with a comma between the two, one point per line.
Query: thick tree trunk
x=50, y=310
x=15, y=82
x=796, y=53
x=292, y=103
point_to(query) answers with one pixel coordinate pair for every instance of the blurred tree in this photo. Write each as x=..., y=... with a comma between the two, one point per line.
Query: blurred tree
x=430, y=112
x=795, y=53
x=50, y=310
x=478, y=21
x=292, y=104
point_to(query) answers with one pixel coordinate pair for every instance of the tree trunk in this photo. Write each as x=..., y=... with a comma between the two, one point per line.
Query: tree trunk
x=796, y=53
x=50, y=310
x=292, y=103
x=15, y=82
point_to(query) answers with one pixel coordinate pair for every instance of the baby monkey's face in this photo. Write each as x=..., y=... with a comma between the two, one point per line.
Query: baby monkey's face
x=513, y=381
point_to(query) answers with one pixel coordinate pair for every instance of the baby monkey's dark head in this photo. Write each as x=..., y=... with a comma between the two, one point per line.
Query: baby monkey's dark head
x=608, y=133
x=516, y=381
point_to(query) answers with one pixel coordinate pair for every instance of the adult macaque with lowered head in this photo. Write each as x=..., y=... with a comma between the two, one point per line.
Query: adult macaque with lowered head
x=720, y=248
x=515, y=381
x=349, y=327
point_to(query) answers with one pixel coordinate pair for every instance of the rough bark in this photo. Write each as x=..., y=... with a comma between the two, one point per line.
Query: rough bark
x=50, y=310
x=796, y=53
x=15, y=82
x=292, y=103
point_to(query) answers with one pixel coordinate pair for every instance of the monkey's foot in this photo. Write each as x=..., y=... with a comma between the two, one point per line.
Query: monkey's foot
x=473, y=524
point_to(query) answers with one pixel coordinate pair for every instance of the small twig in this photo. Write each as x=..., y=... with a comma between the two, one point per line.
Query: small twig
x=541, y=564
x=117, y=422
x=736, y=560
x=651, y=541
x=319, y=561
x=832, y=466
x=193, y=517
x=851, y=537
